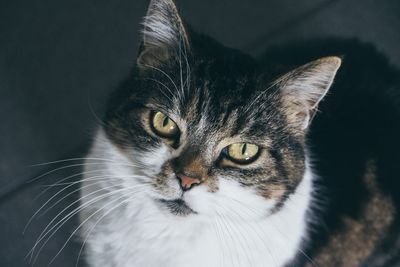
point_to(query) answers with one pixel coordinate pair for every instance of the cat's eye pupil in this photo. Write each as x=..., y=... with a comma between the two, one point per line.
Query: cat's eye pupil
x=165, y=122
x=244, y=149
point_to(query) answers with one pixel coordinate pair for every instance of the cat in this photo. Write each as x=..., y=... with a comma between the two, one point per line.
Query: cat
x=209, y=157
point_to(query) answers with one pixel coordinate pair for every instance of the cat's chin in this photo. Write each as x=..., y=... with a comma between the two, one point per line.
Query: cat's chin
x=176, y=207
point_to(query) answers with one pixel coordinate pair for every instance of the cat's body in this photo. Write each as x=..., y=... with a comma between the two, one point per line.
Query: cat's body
x=355, y=143
x=153, y=200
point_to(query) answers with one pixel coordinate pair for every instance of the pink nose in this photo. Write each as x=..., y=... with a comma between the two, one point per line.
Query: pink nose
x=187, y=182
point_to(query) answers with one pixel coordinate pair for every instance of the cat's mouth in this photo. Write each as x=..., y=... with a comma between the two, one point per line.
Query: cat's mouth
x=177, y=207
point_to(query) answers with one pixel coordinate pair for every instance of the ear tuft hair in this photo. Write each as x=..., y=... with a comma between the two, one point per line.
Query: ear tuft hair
x=163, y=33
x=303, y=88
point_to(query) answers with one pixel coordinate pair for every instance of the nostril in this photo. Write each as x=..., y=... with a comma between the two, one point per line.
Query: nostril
x=187, y=182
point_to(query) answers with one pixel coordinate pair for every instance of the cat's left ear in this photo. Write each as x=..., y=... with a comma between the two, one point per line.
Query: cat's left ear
x=164, y=35
x=303, y=88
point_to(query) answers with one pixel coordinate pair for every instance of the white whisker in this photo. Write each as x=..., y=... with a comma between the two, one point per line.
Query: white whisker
x=88, y=218
x=72, y=213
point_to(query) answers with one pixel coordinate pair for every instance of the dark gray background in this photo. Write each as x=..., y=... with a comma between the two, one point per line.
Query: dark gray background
x=60, y=59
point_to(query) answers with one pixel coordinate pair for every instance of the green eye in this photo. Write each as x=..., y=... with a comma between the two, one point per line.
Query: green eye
x=242, y=152
x=163, y=125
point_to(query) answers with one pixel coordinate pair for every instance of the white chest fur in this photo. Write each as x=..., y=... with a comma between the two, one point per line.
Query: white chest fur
x=139, y=233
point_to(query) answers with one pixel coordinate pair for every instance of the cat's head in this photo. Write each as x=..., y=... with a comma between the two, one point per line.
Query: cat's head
x=204, y=123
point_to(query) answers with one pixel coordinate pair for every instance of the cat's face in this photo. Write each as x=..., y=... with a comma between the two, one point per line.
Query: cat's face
x=202, y=122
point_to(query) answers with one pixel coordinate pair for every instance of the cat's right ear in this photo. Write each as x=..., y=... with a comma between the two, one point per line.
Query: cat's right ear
x=164, y=35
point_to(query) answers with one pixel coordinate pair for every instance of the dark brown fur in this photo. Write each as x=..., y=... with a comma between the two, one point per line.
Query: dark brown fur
x=357, y=238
